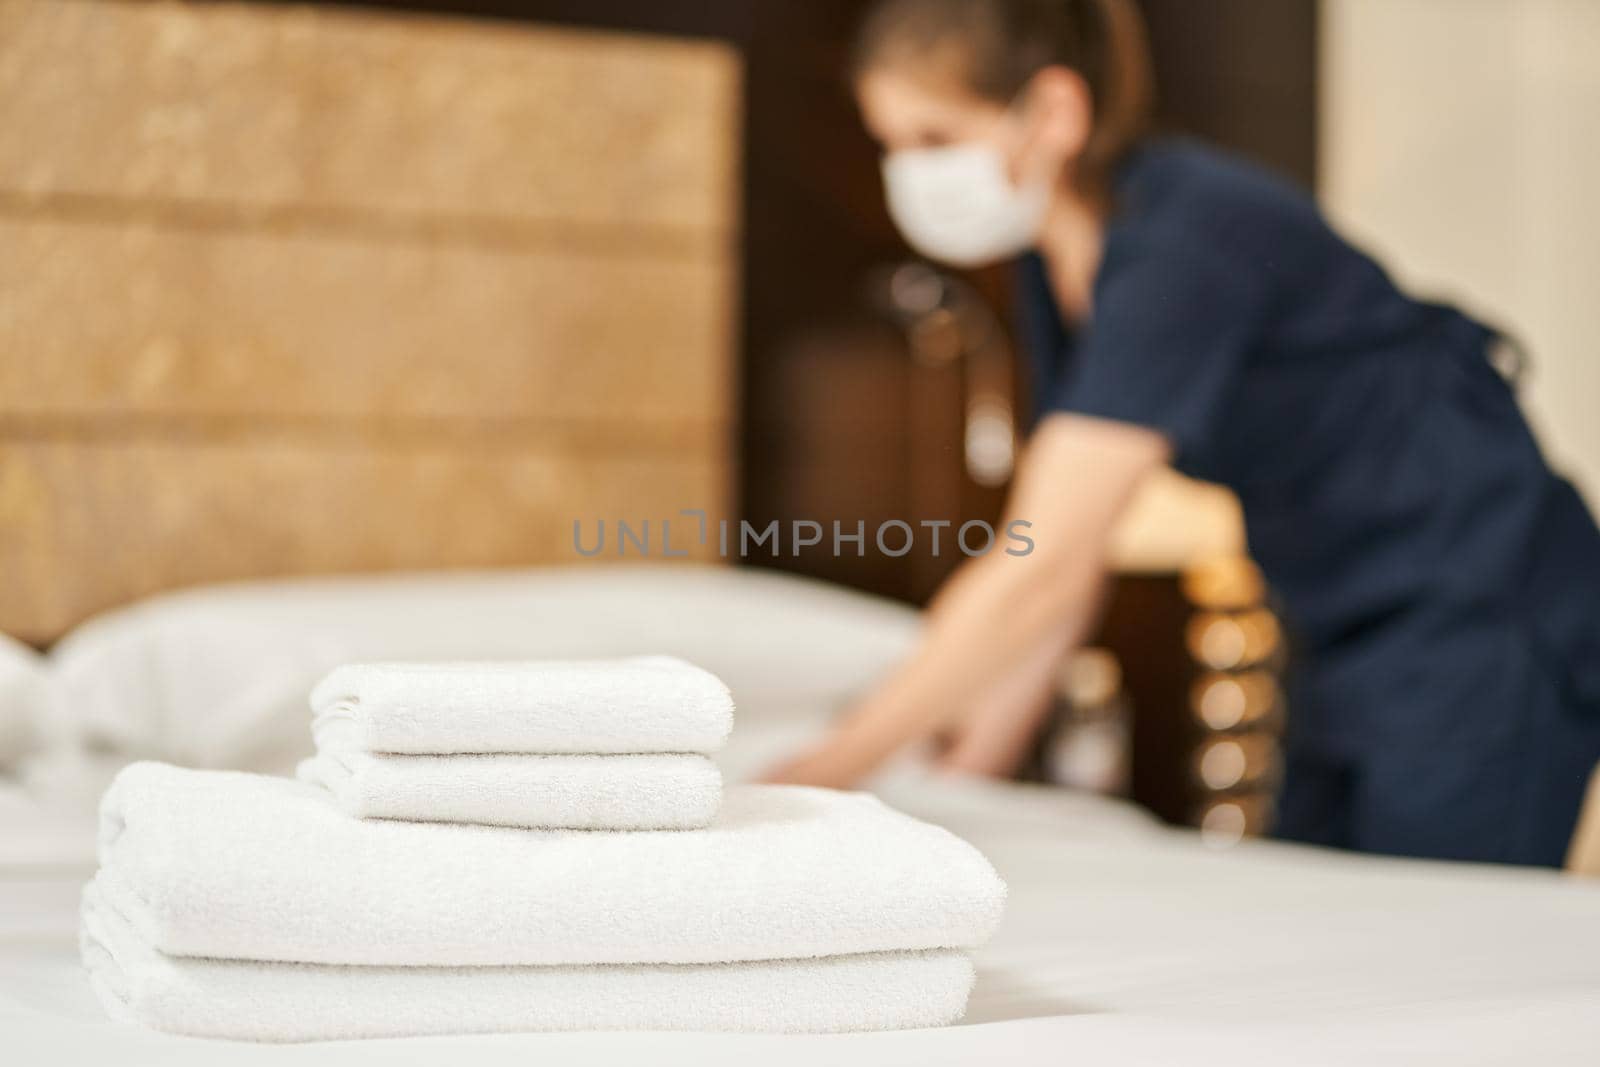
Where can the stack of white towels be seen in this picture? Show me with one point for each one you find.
(536, 846)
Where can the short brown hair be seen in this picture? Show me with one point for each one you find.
(997, 45)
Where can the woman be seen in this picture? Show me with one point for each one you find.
(1441, 584)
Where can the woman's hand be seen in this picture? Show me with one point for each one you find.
(991, 739)
(825, 766)
(1001, 619)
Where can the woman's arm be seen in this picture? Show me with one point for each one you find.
(998, 612)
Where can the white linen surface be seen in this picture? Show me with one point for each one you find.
(651, 791)
(1123, 944)
(308, 1002)
(637, 704)
(243, 866)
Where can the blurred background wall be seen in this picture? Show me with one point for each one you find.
(305, 289)
(276, 131)
(1461, 141)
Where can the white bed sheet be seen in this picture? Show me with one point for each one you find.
(1124, 943)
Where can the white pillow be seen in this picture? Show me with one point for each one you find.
(218, 676)
(25, 704)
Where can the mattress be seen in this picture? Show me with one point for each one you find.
(1124, 943)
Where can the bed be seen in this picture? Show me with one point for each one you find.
(1124, 942)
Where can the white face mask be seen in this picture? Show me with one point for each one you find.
(955, 204)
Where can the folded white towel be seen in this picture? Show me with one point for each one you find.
(309, 1002)
(621, 792)
(646, 704)
(239, 866)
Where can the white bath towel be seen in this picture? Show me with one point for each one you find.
(306, 1002)
(644, 704)
(621, 792)
(238, 866)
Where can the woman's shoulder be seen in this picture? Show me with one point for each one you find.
(1183, 191)
(1176, 170)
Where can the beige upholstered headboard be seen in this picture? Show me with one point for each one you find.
(291, 290)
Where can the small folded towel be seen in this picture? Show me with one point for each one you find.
(647, 704)
(640, 792)
(309, 1002)
(240, 866)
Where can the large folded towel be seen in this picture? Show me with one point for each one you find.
(239, 866)
(307, 1002)
(620, 792)
(646, 704)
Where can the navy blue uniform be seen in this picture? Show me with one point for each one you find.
(1440, 584)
